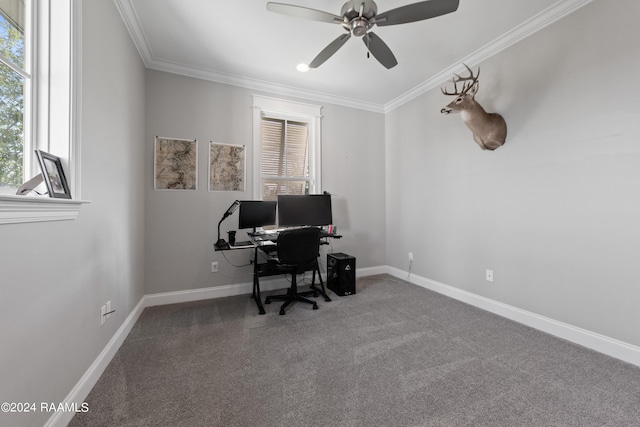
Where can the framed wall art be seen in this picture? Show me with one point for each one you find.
(227, 167)
(175, 164)
(53, 175)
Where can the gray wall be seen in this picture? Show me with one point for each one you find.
(55, 276)
(554, 212)
(181, 226)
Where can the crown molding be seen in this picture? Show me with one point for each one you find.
(132, 22)
(548, 16)
(261, 85)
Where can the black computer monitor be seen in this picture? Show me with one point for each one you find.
(298, 210)
(256, 213)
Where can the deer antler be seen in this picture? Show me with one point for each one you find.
(489, 129)
(467, 82)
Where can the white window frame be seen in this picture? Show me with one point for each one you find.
(56, 29)
(264, 106)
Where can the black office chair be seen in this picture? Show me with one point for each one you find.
(298, 250)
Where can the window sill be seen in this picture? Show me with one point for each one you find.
(20, 209)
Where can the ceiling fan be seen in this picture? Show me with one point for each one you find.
(359, 16)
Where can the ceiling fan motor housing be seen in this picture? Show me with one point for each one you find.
(360, 15)
(351, 9)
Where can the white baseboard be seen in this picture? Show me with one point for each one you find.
(600, 343)
(269, 284)
(371, 271)
(151, 300)
(82, 389)
(92, 375)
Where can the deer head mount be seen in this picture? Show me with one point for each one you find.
(489, 129)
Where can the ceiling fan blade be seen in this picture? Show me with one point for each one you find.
(328, 51)
(304, 12)
(417, 12)
(379, 50)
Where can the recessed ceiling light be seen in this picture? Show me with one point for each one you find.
(303, 68)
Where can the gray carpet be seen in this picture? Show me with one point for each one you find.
(394, 354)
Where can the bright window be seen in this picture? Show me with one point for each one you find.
(285, 158)
(39, 78)
(15, 82)
(287, 148)
(36, 88)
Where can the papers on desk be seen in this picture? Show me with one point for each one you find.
(250, 244)
(264, 238)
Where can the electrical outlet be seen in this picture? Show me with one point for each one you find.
(214, 267)
(411, 256)
(108, 309)
(489, 275)
(103, 312)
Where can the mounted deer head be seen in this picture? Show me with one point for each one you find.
(489, 129)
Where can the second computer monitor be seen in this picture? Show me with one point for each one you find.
(299, 210)
(256, 213)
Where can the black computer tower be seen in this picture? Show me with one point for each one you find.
(341, 273)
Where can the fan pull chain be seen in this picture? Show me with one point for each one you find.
(368, 51)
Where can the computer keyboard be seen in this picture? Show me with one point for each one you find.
(265, 235)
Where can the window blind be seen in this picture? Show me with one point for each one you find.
(285, 157)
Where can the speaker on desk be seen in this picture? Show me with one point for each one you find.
(341, 273)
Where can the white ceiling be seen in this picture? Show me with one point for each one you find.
(239, 42)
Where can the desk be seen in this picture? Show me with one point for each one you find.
(266, 242)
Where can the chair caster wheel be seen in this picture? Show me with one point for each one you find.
(315, 295)
(282, 312)
(315, 306)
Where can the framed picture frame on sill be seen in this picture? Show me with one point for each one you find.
(53, 175)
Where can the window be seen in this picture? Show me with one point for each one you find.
(285, 158)
(39, 44)
(15, 81)
(36, 90)
(286, 145)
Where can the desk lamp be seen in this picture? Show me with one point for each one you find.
(221, 243)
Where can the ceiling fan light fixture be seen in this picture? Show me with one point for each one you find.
(303, 68)
(360, 16)
(359, 27)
